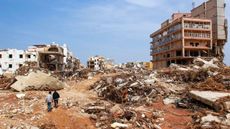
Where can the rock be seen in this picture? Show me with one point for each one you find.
(170, 100)
(15, 111)
(119, 81)
(20, 95)
(119, 125)
(210, 118)
(150, 81)
(135, 98)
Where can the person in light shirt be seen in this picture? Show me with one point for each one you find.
(49, 100)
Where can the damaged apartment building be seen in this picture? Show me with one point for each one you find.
(201, 33)
(99, 63)
(53, 57)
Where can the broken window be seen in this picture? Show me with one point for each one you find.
(194, 53)
(53, 49)
(20, 56)
(29, 56)
(178, 53)
(10, 66)
(168, 55)
(0, 65)
(0, 55)
(20, 65)
(10, 56)
(191, 44)
(168, 63)
(197, 44)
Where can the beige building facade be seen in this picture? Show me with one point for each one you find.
(185, 36)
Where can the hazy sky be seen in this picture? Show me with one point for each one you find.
(117, 29)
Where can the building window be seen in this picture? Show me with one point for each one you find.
(191, 44)
(0, 55)
(20, 65)
(29, 56)
(0, 66)
(10, 66)
(20, 56)
(10, 56)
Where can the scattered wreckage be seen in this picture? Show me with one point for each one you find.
(126, 99)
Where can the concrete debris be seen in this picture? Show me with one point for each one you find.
(26, 68)
(131, 89)
(210, 118)
(207, 64)
(37, 81)
(6, 82)
(170, 100)
(127, 96)
(69, 102)
(210, 98)
(118, 125)
(118, 117)
(209, 84)
(20, 95)
(116, 110)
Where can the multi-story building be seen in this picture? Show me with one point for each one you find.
(96, 63)
(53, 57)
(12, 59)
(214, 10)
(185, 36)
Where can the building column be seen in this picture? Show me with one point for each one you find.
(182, 34)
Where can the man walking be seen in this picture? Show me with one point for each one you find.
(49, 100)
(56, 96)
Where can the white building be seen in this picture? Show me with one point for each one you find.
(12, 59)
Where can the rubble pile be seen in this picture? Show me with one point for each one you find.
(26, 68)
(129, 89)
(207, 120)
(184, 76)
(5, 82)
(81, 74)
(210, 84)
(115, 116)
(21, 107)
(124, 97)
(197, 72)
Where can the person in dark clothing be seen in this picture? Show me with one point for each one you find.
(56, 96)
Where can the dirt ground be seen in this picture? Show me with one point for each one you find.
(71, 118)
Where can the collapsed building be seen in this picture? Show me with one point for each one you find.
(201, 33)
(52, 57)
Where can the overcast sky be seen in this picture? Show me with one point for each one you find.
(117, 29)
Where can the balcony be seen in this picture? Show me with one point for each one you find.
(197, 26)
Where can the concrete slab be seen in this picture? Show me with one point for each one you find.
(209, 97)
(37, 81)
